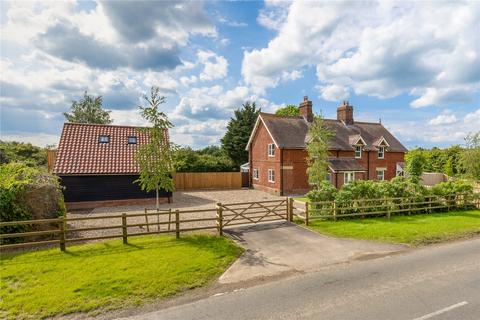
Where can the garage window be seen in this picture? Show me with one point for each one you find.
(103, 138)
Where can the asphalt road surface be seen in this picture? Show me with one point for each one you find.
(437, 282)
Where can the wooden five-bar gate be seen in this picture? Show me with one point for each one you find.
(60, 232)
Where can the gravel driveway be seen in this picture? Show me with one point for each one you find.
(183, 200)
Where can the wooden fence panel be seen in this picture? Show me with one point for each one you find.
(51, 156)
(207, 180)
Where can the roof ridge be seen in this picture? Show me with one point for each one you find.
(279, 116)
(103, 125)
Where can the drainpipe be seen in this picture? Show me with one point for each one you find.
(368, 165)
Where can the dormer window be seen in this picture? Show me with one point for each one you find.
(271, 150)
(132, 140)
(381, 152)
(358, 152)
(103, 138)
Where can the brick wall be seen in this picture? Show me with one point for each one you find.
(263, 162)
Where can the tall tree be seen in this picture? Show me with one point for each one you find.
(238, 132)
(155, 157)
(290, 110)
(318, 139)
(88, 110)
(470, 157)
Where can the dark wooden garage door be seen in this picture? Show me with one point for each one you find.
(97, 188)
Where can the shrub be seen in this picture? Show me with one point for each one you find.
(325, 191)
(28, 193)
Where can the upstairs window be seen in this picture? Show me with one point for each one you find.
(381, 152)
(255, 174)
(271, 150)
(132, 140)
(358, 152)
(103, 138)
(271, 175)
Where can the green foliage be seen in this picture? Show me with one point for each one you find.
(436, 159)
(88, 110)
(452, 187)
(290, 110)
(209, 159)
(155, 158)
(325, 191)
(12, 151)
(104, 276)
(317, 148)
(238, 132)
(470, 157)
(415, 165)
(448, 169)
(15, 180)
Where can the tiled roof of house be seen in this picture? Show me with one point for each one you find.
(345, 164)
(291, 133)
(80, 152)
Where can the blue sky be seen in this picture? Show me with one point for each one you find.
(414, 65)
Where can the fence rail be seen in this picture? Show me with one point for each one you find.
(324, 210)
(223, 215)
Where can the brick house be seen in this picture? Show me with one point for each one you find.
(97, 167)
(358, 151)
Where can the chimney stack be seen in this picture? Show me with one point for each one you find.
(306, 109)
(345, 113)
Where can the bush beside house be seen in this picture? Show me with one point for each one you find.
(28, 193)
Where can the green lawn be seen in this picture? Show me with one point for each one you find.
(414, 230)
(108, 275)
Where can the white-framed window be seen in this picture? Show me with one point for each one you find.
(348, 177)
(103, 138)
(255, 174)
(358, 152)
(132, 140)
(271, 175)
(381, 152)
(271, 150)
(380, 174)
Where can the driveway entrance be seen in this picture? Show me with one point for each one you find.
(282, 247)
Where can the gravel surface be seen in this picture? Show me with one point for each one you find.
(182, 200)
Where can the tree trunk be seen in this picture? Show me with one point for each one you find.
(156, 200)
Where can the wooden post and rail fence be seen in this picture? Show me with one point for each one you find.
(62, 233)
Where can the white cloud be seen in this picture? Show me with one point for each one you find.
(473, 118)
(447, 117)
(333, 92)
(291, 76)
(214, 66)
(380, 49)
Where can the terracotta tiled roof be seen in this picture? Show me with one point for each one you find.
(80, 152)
(291, 132)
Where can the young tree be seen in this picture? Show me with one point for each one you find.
(238, 132)
(290, 110)
(470, 157)
(155, 158)
(415, 165)
(317, 148)
(448, 169)
(88, 110)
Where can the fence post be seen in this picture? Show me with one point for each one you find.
(287, 206)
(306, 213)
(62, 225)
(430, 204)
(177, 224)
(219, 219)
(334, 211)
(388, 207)
(124, 228)
(146, 220)
(290, 208)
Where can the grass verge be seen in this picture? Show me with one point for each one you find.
(108, 275)
(413, 230)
